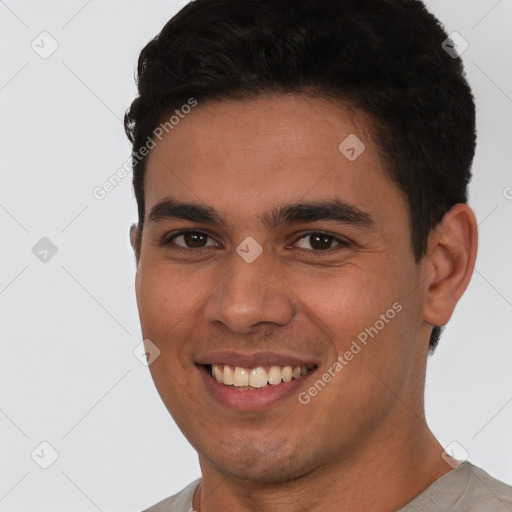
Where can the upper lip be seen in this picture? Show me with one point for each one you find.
(252, 360)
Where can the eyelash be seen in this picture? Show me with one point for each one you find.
(168, 240)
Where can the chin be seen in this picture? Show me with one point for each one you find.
(263, 474)
(266, 465)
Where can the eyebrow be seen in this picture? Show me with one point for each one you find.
(335, 210)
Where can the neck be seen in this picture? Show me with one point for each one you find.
(386, 471)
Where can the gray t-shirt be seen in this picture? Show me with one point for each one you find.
(467, 488)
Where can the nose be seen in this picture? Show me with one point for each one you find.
(250, 294)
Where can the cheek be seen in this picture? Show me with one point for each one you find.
(166, 300)
(369, 318)
(166, 293)
(345, 301)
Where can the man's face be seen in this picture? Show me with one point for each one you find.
(321, 283)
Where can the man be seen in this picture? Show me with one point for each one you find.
(301, 172)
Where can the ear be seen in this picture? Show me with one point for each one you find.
(449, 263)
(134, 233)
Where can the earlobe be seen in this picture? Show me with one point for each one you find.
(451, 259)
(133, 236)
(134, 241)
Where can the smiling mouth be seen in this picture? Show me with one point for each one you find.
(257, 378)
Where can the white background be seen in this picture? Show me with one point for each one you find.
(68, 375)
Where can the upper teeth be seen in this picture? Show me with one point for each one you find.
(256, 377)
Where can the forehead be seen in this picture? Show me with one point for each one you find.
(245, 156)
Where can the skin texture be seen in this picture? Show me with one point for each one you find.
(362, 443)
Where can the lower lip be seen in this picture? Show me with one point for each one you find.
(251, 399)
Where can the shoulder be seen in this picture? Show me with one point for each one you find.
(181, 502)
(467, 488)
(485, 492)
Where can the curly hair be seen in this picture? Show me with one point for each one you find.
(384, 57)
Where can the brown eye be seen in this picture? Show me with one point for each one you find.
(194, 240)
(319, 241)
(190, 240)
